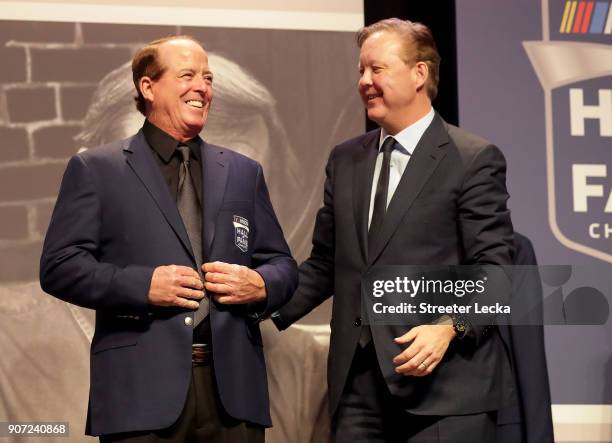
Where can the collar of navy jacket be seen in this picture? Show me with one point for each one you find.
(214, 178)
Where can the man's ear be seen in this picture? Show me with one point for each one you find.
(421, 72)
(145, 84)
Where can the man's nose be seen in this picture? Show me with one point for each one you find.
(365, 79)
(201, 84)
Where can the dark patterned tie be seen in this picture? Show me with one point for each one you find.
(378, 215)
(191, 212)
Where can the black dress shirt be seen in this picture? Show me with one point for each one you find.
(169, 161)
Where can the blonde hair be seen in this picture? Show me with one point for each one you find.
(418, 46)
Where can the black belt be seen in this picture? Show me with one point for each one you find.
(201, 354)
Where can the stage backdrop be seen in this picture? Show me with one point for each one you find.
(535, 78)
(284, 94)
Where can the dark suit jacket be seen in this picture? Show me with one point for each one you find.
(532, 414)
(113, 223)
(449, 208)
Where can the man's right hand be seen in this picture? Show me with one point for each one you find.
(175, 285)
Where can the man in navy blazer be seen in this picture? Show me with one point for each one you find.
(118, 243)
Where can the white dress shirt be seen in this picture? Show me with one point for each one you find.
(407, 138)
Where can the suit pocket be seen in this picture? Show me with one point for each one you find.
(113, 341)
(433, 204)
(237, 205)
(234, 232)
(117, 331)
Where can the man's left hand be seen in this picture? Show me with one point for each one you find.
(429, 344)
(233, 284)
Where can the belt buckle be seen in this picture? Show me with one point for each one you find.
(200, 354)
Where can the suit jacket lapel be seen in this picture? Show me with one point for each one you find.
(214, 179)
(425, 158)
(140, 159)
(364, 162)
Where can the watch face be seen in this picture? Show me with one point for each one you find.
(459, 326)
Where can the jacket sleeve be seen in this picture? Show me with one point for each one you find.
(69, 267)
(316, 274)
(271, 256)
(486, 228)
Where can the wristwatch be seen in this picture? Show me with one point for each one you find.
(460, 325)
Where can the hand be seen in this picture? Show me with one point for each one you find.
(176, 286)
(233, 284)
(429, 344)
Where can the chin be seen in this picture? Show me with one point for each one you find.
(376, 117)
(194, 124)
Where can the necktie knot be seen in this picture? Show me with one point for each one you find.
(185, 152)
(388, 145)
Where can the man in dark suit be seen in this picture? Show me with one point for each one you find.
(415, 192)
(530, 419)
(136, 225)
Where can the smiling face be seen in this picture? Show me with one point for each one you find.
(179, 101)
(391, 89)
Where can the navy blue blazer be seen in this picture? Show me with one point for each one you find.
(114, 222)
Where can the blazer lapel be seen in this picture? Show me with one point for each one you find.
(214, 180)
(426, 156)
(364, 162)
(140, 159)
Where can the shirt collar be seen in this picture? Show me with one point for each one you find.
(409, 137)
(165, 145)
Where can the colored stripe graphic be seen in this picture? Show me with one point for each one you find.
(587, 18)
(565, 16)
(599, 17)
(570, 19)
(579, 16)
(608, 28)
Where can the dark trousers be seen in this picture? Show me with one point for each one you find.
(202, 419)
(368, 413)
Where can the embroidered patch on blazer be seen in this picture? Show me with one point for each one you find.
(241, 233)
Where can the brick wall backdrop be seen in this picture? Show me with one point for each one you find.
(49, 72)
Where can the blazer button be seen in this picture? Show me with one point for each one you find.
(357, 322)
(188, 321)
